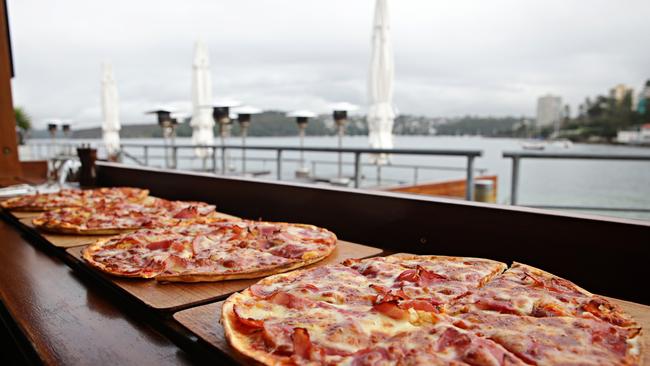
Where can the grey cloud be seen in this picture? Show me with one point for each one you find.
(461, 57)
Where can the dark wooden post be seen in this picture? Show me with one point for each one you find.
(10, 169)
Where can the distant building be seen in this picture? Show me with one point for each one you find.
(643, 99)
(549, 111)
(620, 92)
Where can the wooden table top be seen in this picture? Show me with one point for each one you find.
(68, 321)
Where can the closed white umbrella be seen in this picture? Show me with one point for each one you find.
(111, 111)
(202, 122)
(381, 113)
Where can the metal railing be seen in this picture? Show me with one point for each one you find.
(171, 157)
(470, 155)
(517, 156)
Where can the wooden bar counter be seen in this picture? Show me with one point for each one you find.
(55, 310)
(50, 315)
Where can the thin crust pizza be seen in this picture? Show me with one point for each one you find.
(213, 251)
(73, 198)
(425, 310)
(105, 218)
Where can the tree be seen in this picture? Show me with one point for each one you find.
(23, 120)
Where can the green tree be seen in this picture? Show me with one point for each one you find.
(23, 120)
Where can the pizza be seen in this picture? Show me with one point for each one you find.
(213, 251)
(427, 310)
(101, 217)
(73, 198)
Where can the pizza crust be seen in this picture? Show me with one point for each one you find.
(65, 228)
(239, 341)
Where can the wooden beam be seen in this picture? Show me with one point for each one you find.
(10, 169)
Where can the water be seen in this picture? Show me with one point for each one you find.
(551, 182)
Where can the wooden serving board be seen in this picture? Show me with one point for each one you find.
(174, 296)
(205, 322)
(25, 214)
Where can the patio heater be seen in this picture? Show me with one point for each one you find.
(168, 125)
(340, 115)
(244, 118)
(221, 115)
(302, 118)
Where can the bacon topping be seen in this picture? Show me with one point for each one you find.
(301, 343)
(603, 309)
(499, 306)
(247, 324)
(187, 213)
(289, 300)
(422, 305)
(390, 309)
(163, 244)
(289, 251)
(453, 338)
(421, 276)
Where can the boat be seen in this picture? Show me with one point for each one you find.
(534, 145)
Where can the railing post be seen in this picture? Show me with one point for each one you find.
(279, 164)
(313, 168)
(174, 157)
(224, 164)
(214, 160)
(146, 155)
(357, 169)
(378, 174)
(515, 180)
(415, 175)
(469, 183)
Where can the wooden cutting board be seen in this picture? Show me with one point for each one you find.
(174, 296)
(23, 215)
(205, 322)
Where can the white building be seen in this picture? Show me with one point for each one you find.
(549, 111)
(634, 137)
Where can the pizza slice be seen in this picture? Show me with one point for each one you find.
(434, 279)
(557, 340)
(526, 290)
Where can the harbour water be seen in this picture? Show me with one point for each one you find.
(601, 183)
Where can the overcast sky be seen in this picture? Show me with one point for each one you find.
(452, 57)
